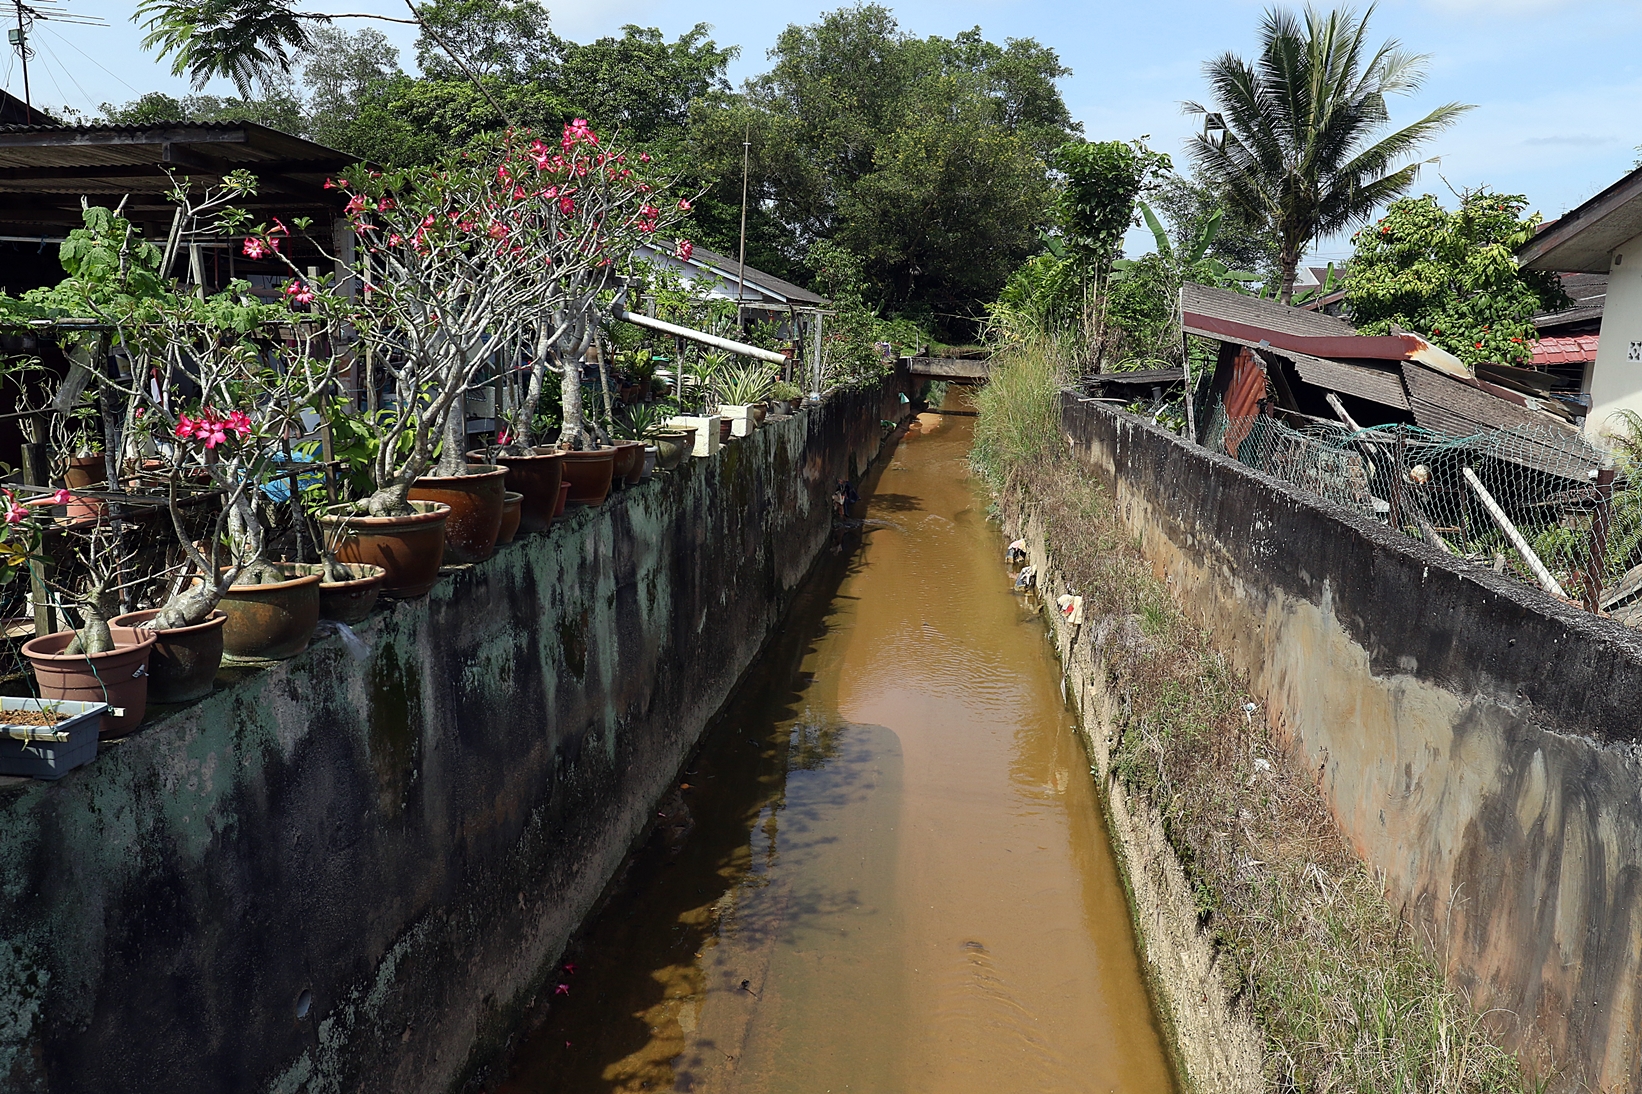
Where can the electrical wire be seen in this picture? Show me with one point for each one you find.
(70, 44)
(70, 74)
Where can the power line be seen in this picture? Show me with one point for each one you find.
(69, 42)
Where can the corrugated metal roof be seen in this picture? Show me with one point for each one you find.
(1376, 382)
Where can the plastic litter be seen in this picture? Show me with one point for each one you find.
(356, 646)
(1027, 578)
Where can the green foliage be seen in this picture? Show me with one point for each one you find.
(240, 40)
(1451, 277)
(1299, 153)
(641, 84)
(923, 156)
(507, 39)
(1018, 411)
(1240, 241)
(1102, 182)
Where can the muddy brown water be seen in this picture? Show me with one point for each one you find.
(886, 870)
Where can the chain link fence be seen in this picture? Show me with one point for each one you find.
(1541, 504)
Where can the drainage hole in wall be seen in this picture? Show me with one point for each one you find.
(304, 1003)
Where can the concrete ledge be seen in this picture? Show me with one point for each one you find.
(346, 874)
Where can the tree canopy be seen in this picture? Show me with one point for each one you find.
(1451, 277)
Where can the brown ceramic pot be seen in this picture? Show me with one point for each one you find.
(725, 427)
(409, 549)
(511, 509)
(536, 476)
(758, 412)
(475, 498)
(588, 473)
(118, 677)
(271, 622)
(672, 446)
(349, 601)
(629, 463)
(183, 663)
(564, 499)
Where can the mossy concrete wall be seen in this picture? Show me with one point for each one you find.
(351, 873)
(1476, 740)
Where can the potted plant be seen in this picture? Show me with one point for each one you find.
(698, 405)
(741, 390)
(787, 394)
(94, 663)
(646, 424)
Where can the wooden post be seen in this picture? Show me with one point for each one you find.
(1601, 523)
(37, 472)
(1546, 581)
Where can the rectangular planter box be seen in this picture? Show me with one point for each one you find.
(706, 432)
(741, 418)
(48, 752)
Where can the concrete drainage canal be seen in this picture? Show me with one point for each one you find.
(885, 869)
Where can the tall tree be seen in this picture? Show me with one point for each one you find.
(642, 84)
(1299, 151)
(925, 156)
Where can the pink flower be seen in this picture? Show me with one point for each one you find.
(566, 205)
(644, 157)
(504, 437)
(562, 989)
(216, 436)
(16, 514)
(239, 422)
(686, 249)
(255, 248)
(299, 292)
(62, 497)
(683, 205)
(185, 426)
(355, 204)
(394, 240)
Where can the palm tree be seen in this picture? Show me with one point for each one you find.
(1298, 150)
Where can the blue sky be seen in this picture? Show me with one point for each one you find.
(1556, 82)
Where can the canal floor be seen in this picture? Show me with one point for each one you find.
(886, 871)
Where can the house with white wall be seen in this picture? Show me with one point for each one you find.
(1604, 236)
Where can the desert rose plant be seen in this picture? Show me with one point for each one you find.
(492, 260)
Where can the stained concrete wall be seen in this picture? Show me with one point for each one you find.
(1475, 739)
(403, 841)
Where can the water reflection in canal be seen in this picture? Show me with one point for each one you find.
(887, 869)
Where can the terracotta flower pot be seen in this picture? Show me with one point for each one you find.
(271, 622)
(725, 430)
(536, 476)
(672, 446)
(512, 503)
(588, 473)
(409, 549)
(85, 473)
(184, 660)
(475, 498)
(564, 499)
(629, 462)
(350, 601)
(118, 677)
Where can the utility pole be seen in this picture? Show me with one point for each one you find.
(741, 274)
(19, 38)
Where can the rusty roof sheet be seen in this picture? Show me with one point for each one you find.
(1252, 311)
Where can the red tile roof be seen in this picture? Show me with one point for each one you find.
(1574, 350)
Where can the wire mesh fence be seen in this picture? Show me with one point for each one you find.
(1541, 504)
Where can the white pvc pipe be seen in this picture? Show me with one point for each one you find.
(1546, 581)
(774, 358)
